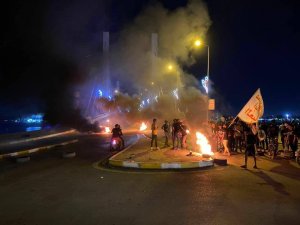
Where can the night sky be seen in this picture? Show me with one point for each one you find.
(253, 44)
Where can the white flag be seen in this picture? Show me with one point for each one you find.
(253, 110)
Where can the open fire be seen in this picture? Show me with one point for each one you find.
(204, 146)
(107, 130)
(143, 126)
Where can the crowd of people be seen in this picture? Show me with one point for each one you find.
(231, 136)
(177, 132)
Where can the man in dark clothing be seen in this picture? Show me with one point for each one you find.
(250, 138)
(166, 128)
(176, 133)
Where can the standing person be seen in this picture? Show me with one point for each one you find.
(293, 142)
(273, 134)
(184, 132)
(220, 136)
(176, 134)
(250, 138)
(264, 127)
(154, 129)
(166, 128)
(231, 142)
(238, 132)
(225, 140)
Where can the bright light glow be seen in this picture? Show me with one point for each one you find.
(287, 115)
(170, 67)
(197, 43)
(204, 146)
(107, 120)
(152, 83)
(114, 142)
(187, 131)
(175, 93)
(116, 91)
(156, 98)
(148, 101)
(107, 130)
(143, 126)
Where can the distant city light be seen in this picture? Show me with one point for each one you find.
(35, 118)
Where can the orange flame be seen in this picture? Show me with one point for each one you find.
(204, 146)
(143, 126)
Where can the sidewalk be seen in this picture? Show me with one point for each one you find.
(140, 156)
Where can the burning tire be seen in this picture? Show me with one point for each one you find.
(220, 162)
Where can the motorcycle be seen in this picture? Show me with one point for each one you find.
(115, 144)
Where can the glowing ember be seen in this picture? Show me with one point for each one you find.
(107, 130)
(143, 126)
(205, 147)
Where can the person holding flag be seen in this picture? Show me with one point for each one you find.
(250, 114)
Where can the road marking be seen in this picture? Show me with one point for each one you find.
(30, 151)
(38, 138)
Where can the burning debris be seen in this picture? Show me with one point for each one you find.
(107, 130)
(204, 146)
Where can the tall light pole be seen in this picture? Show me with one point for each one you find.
(198, 43)
(171, 68)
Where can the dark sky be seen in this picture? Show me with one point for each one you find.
(254, 44)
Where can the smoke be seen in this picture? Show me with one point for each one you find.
(148, 87)
(156, 85)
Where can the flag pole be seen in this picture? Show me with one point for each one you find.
(233, 120)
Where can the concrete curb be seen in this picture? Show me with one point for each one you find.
(38, 138)
(161, 165)
(157, 165)
(33, 150)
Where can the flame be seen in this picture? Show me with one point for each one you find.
(143, 126)
(204, 146)
(107, 130)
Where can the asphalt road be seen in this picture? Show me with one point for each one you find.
(53, 190)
